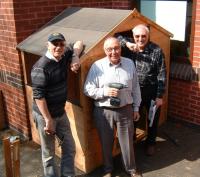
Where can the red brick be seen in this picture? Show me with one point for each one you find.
(49, 9)
(5, 5)
(189, 103)
(196, 116)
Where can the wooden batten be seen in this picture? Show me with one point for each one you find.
(11, 157)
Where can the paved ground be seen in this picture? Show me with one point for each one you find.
(178, 155)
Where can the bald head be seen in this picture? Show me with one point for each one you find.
(140, 27)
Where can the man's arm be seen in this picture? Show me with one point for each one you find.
(91, 87)
(77, 49)
(136, 96)
(127, 42)
(162, 79)
(38, 85)
(42, 106)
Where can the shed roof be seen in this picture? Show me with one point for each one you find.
(86, 24)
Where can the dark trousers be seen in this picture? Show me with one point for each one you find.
(148, 94)
(121, 118)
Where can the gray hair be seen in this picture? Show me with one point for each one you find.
(140, 26)
(108, 39)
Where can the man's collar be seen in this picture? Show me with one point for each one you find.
(110, 64)
(50, 56)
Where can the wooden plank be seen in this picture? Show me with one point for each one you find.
(24, 67)
(34, 132)
(140, 134)
(15, 146)
(7, 157)
(28, 60)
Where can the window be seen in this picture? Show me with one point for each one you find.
(179, 23)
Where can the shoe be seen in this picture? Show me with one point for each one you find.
(150, 150)
(136, 174)
(107, 175)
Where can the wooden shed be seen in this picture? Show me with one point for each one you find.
(92, 26)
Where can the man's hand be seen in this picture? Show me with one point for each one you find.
(49, 127)
(132, 46)
(136, 116)
(75, 65)
(49, 122)
(111, 92)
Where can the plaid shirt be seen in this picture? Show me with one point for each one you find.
(150, 65)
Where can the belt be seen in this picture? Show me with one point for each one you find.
(114, 108)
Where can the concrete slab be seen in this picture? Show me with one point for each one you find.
(178, 155)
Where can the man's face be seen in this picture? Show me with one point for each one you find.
(141, 37)
(112, 50)
(56, 48)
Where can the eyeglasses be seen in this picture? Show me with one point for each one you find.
(110, 49)
(58, 44)
(142, 36)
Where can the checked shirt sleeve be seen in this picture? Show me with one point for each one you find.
(162, 75)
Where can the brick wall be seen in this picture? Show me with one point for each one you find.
(126, 4)
(184, 96)
(11, 82)
(19, 19)
(196, 43)
(184, 100)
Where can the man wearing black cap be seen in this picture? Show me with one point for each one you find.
(49, 83)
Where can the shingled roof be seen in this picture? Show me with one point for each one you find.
(86, 24)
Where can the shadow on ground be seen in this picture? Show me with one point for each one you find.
(177, 155)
